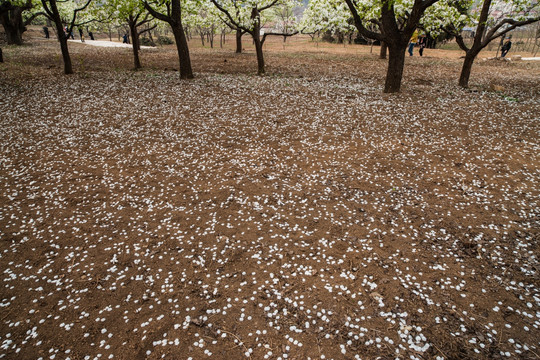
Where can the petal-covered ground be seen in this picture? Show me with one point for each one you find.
(299, 215)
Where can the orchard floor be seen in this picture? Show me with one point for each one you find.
(303, 214)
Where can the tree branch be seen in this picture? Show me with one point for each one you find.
(47, 9)
(461, 43)
(143, 21)
(231, 19)
(269, 5)
(155, 13)
(147, 29)
(492, 33)
(359, 25)
(417, 11)
(74, 18)
(31, 18)
(277, 34)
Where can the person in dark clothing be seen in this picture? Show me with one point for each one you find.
(46, 31)
(91, 35)
(506, 47)
(422, 41)
(69, 33)
(81, 34)
(125, 39)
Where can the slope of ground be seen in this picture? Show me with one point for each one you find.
(299, 215)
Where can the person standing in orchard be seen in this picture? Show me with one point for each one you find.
(412, 42)
(506, 47)
(422, 41)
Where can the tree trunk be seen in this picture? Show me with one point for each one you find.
(340, 37)
(13, 25)
(259, 50)
(14, 37)
(183, 52)
(394, 73)
(384, 47)
(68, 68)
(466, 68)
(151, 38)
(501, 43)
(62, 37)
(1, 56)
(135, 45)
(239, 41)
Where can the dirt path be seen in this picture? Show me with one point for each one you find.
(104, 43)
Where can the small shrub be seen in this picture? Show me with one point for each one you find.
(165, 40)
(147, 42)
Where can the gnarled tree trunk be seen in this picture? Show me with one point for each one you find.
(13, 24)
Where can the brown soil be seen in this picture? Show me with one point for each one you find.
(303, 214)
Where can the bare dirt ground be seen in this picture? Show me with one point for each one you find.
(300, 215)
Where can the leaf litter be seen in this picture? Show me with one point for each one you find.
(298, 215)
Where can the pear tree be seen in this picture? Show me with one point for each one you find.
(133, 13)
(173, 13)
(490, 19)
(249, 16)
(65, 12)
(392, 22)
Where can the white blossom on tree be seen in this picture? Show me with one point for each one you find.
(326, 16)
